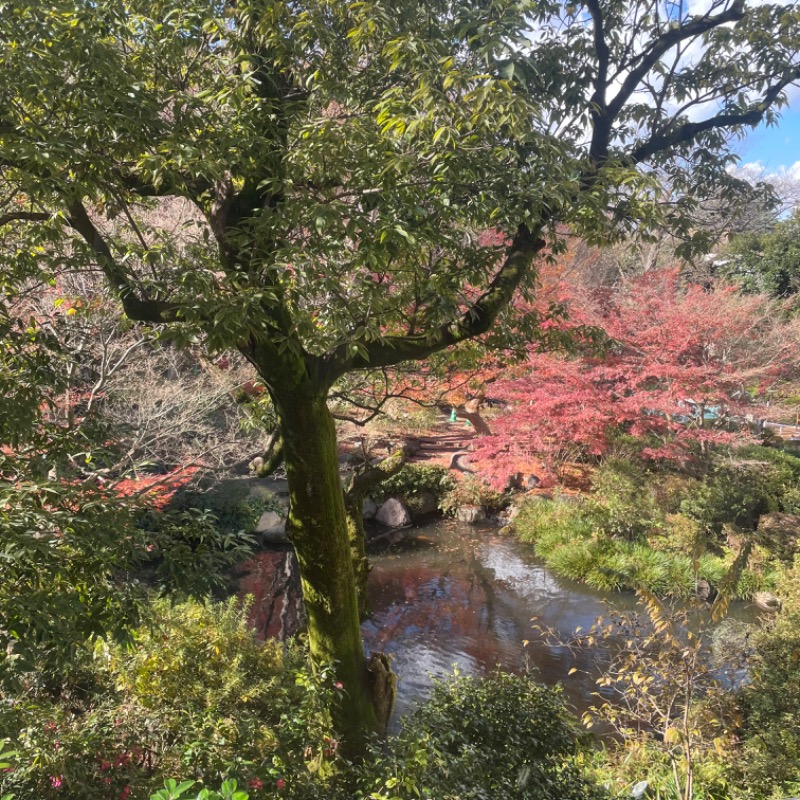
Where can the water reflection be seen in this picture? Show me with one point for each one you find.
(453, 596)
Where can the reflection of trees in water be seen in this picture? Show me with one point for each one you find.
(448, 605)
(485, 579)
(470, 600)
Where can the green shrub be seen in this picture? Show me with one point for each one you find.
(198, 696)
(770, 759)
(740, 489)
(620, 768)
(670, 489)
(80, 560)
(790, 502)
(415, 479)
(501, 737)
(231, 502)
(787, 463)
(680, 534)
(624, 504)
(471, 492)
(475, 739)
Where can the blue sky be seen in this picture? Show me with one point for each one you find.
(777, 147)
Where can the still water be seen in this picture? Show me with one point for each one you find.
(454, 596)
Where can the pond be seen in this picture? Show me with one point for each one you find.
(451, 595)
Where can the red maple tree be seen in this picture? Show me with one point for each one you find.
(687, 365)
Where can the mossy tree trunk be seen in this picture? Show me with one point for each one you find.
(319, 531)
(361, 484)
(354, 507)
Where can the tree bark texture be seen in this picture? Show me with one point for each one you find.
(361, 484)
(318, 530)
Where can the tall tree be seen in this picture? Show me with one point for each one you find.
(337, 159)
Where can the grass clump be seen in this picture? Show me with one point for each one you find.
(573, 541)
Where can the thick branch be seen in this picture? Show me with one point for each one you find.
(604, 115)
(24, 216)
(136, 308)
(362, 483)
(697, 27)
(477, 319)
(689, 130)
(602, 124)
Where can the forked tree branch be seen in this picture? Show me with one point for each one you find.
(474, 321)
(136, 307)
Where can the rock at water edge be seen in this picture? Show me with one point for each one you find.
(423, 504)
(370, 508)
(393, 514)
(271, 527)
(470, 514)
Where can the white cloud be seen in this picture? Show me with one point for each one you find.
(756, 171)
(785, 179)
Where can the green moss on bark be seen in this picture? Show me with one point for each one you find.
(319, 531)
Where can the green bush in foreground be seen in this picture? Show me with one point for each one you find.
(199, 708)
(769, 765)
(500, 737)
(197, 696)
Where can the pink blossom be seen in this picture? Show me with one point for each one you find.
(56, 781)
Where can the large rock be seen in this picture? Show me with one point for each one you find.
(271, 527)
(532, 481)
(423, 504)
(269, 487)
(767, 601)
(470, 514)
(393, 514)
(256, 465)
(704, 590)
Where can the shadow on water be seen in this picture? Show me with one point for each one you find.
(453, 596)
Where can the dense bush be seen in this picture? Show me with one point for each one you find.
(663, 529)
(623, 504)
(502, 737)
(753, 481)
(79, 560)
(199, 709)
(770, 762)
(198, 696)
(471, 492)
(231, 502)
(416, 479)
